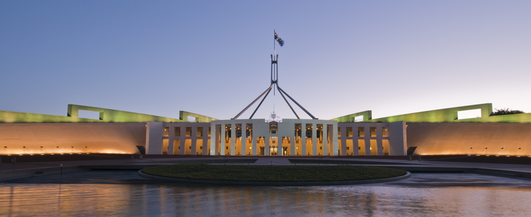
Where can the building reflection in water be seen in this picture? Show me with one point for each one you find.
(174, 200)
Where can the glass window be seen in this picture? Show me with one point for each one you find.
(373, 131)
(361, 131)
(385, 131)
(188, 131)
(273, 127)
(199, 132)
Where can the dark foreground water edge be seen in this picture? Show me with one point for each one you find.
(436, 194)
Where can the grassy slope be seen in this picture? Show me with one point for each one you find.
(273, 173)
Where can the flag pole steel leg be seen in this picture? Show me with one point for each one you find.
(245, 109)
(280, 89)
(288, 103)
(261, 103)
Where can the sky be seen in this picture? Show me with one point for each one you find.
(213, 57)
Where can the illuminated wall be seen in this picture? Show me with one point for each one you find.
(503, 139)
(71, 138)
(444, 115)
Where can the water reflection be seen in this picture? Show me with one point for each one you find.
(172, 200)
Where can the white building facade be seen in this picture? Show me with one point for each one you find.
(288, 137)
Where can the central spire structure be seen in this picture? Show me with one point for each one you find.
(274, 86)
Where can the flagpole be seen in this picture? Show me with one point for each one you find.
(274, 53)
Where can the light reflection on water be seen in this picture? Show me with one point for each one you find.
(172, 200)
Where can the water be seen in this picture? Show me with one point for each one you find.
(420, 195)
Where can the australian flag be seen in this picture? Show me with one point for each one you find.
(280, 41)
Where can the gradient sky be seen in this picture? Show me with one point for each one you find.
(213, 57)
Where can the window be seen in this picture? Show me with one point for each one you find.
(166, 131)
(188, 131)
(373, 131)
(349, 132)
(361, 131)
(298, 130)
(165, 143)
(199, 132)
(309, 132)
(385, 131)
(238, 131)
(177, 131)
(273, 127)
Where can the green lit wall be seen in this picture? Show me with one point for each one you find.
(106, 116)
(183, 116)
(444, 115)
(367, 116)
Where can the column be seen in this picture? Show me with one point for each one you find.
(379, 146)
(254, 145)
(330, 138)
(205, 140)
(214, 142)
(367, 140)
(244, 139)
(343, 141)
(232, 138)
(194, 140)
(266, 140)
(171, 137)
(222, 142)
(325, 139)
(355, 144)
(279, 146)
(334, 138)
(182, 140)
(314, 139)
(292, 141)
(303, 139)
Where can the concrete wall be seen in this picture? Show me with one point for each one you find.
(153, 137)
(512, 139)
(66, 138)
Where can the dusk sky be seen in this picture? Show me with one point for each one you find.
(213, 57)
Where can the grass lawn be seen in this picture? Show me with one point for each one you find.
(273, 173)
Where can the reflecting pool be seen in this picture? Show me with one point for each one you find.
(420, 195)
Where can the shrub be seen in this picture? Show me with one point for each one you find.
(505, 112)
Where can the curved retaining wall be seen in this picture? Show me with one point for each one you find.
(249, 183)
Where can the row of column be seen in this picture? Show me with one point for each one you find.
(182, 141)
(366, 137)
(218, 133)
